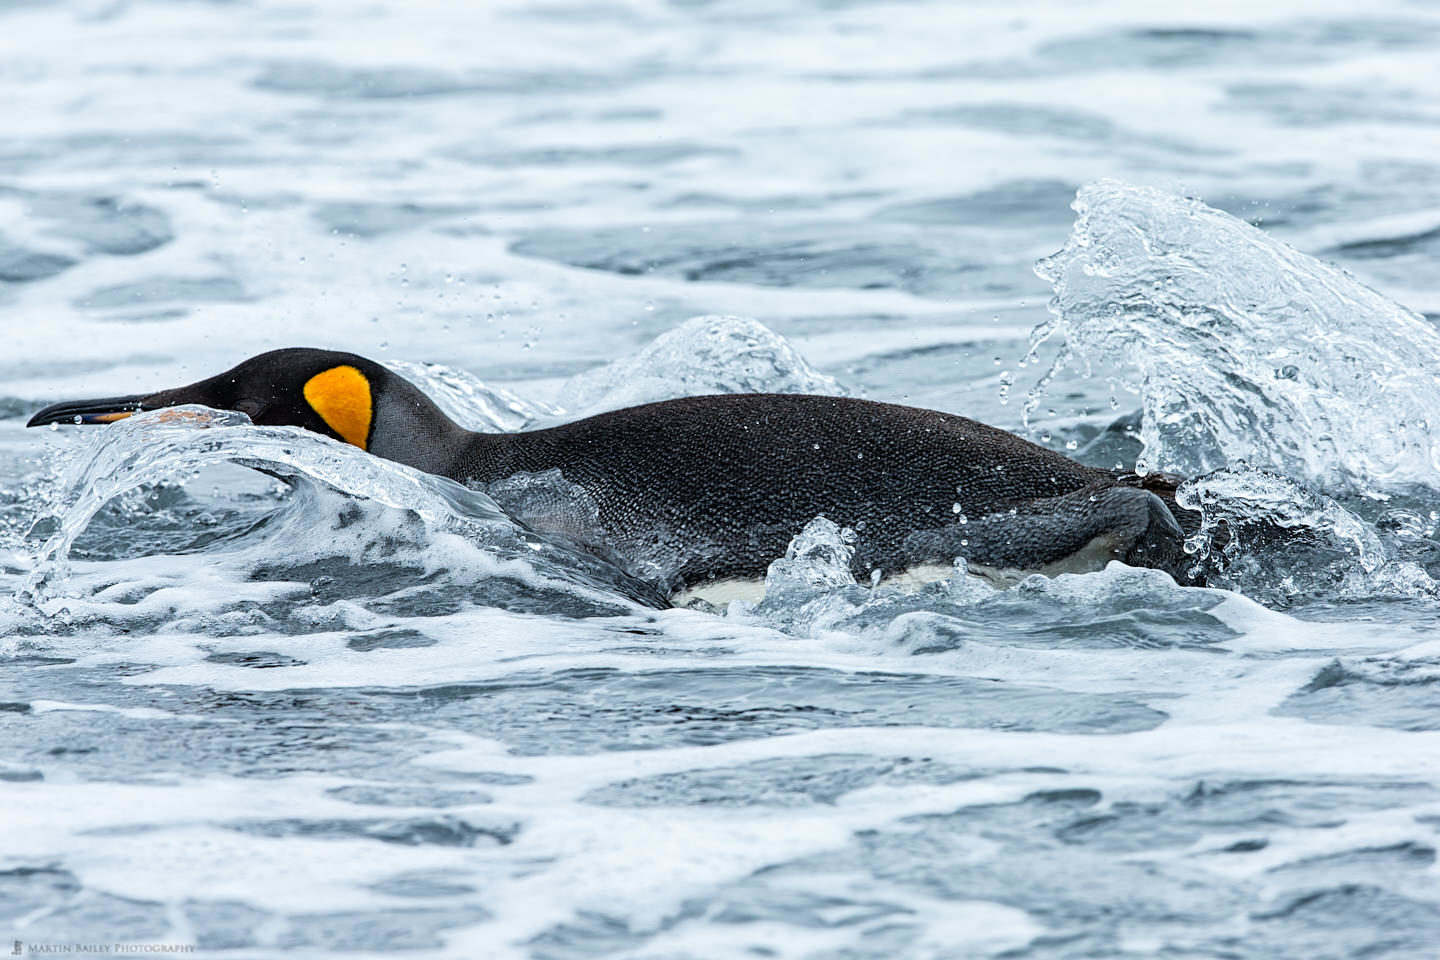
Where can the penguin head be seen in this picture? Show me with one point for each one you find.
(341, 395)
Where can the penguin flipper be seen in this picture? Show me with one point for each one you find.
(1073, 533)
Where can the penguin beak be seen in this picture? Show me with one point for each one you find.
(106, 410)
(111, 409)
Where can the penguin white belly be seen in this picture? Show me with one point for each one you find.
(1088, 559)
(721, 592)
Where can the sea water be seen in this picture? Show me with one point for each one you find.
(262, 695)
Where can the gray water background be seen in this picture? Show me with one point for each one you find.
(364, 715)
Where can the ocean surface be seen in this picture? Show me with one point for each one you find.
(267, 697)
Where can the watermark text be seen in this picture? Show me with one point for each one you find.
(25, 948)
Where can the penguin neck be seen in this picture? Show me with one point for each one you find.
(481, 458)
(411, 429)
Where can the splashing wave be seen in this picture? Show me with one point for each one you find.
(1243, 349)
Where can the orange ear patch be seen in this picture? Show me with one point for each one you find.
(341, 395)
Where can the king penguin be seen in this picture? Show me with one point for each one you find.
(698, 495)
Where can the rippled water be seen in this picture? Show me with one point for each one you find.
(267, 696)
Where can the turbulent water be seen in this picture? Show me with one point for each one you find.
(265, 696)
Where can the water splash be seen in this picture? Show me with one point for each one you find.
(811, 589)
(1284, 542)
(1242, 348)
(811, 593)
(811, 586)
(24, 504)
(818, 558)
(704, 355)
(471, 402)
(169, 445)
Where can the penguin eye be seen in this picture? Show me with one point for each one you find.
(251, 408)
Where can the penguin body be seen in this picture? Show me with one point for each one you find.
(704, 490)
(697, 495)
